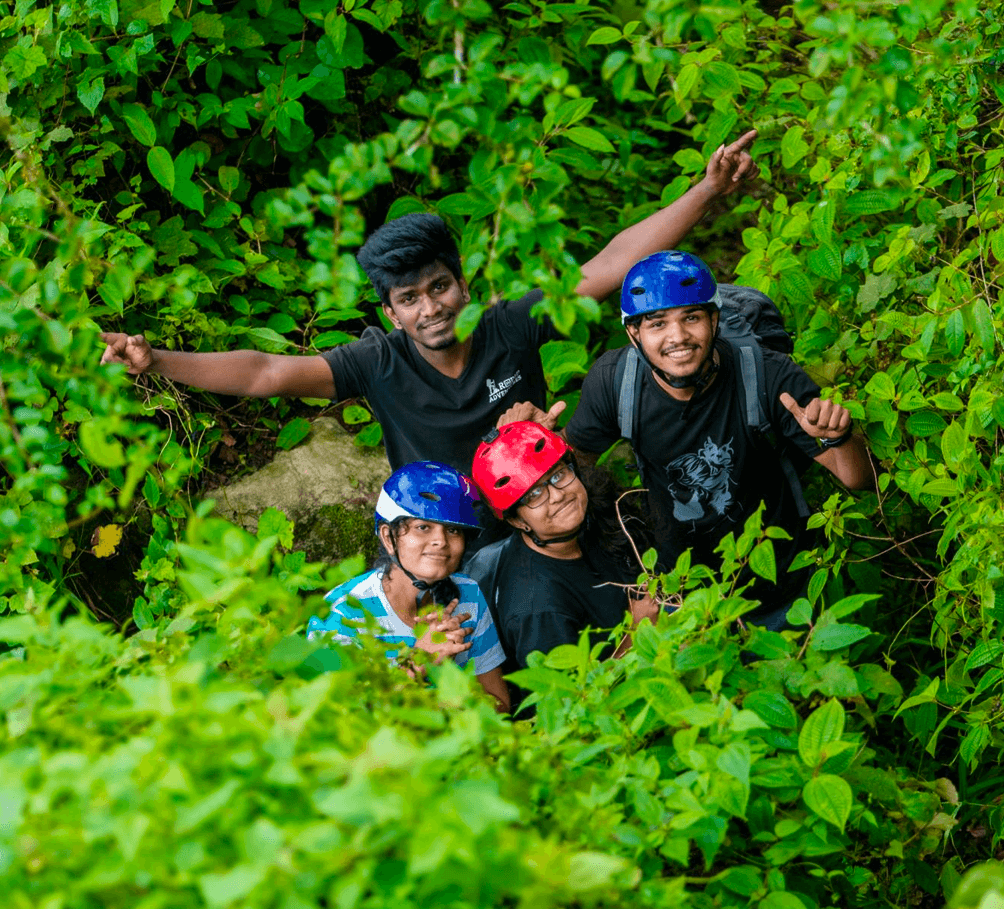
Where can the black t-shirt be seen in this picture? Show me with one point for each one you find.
(705, 472)
(543, 602)
(428, 416)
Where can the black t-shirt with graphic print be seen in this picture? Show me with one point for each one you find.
(428, 416)
(706, 473)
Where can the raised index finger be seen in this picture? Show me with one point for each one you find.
(742, 143)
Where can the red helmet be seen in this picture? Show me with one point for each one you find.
(512, 459)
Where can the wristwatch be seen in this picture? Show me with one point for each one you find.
(838, 441)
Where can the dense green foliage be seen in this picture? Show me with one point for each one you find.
(203, 173)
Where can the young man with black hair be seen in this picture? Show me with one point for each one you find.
(435, 396)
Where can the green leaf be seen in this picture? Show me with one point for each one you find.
(605, 35)
(941, 487)
(468, 320)
(773, 708)
(824, 725)
(99, 445)
(370, 435)
(354, 414)
(954, 443)
(269, 340)
(869, 202)
(294, 432)
(564, 656)
(983, 323)
(22, 62)
(831, 798)
(881, 386)
(331, 339)
(762, 561)
(589, 138)
(955, 332)
(834, 637)
(91, 93)
(793, 147)
(230, 179)
(221, 890)
(140, 124)
(925, 423)
(983, 653)
(695, 656)
(945, 400)
(161, 165)
(825, 262)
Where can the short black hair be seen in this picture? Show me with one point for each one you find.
(395, 253)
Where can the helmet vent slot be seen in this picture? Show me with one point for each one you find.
(539, 446)
(431, 496)
(501, 481)
(637, 291)
(686, 282)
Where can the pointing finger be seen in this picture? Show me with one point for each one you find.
(742, 143)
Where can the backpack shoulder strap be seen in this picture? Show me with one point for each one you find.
(483, 568)
(627, 381)
(752, 388)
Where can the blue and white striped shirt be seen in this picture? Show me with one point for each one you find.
(367, 589)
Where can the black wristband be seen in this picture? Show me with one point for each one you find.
(826, 444)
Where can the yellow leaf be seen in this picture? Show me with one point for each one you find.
(105, 540)
(69, 547)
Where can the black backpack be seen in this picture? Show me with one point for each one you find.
(749, 321)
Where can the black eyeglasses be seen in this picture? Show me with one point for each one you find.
(538, 495)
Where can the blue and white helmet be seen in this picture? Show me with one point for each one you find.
(429, 490)
(667, 280)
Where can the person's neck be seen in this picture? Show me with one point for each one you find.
(567, 550)
(685, 394)
(401, 594)
(450, 361)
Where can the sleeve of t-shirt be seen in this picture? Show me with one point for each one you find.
(353, 365)
(594, 426)
(341, 624)
(530, 631)
(486, 650)
(783, 374)
(520, 328)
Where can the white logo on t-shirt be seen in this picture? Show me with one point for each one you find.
(702, 481)
(497, 390)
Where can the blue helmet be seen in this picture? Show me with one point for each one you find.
(667, 280)
(429, 490)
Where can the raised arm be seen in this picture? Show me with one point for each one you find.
(247, 373)
(603, 274)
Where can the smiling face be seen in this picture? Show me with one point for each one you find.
(426, 309)
(429, 550)
(677, 341)
(556, 511)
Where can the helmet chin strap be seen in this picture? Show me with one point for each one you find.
(564, 538)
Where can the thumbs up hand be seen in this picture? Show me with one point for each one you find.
(819, 418)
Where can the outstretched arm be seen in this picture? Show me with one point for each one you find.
(248, 373)
(849, 462)
(604, 273)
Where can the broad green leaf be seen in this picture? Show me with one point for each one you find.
(268, 339)
(793, 147)
(354, 414)
(925, 423)
(762, 561)
(161, 165)
(825, 262)
(331, 339)
(954, 443)
(835, 637)
(370, 435)
(294, 432)
(831, 798)
(99, 445)
(735, 759)
(941, 487)
(695, 656)
(230, 179)
(91, 93)
(589, 138)
(140, 124)
(983, 653)
(773, 708)
(984, 325)
(781, 899)
(564, 656)
(221, 890)
(468, 320)
(955, 332)
(945, 400)
(605, 35)
(881, 386)
(22, 62)
(869, 202)
(824, 725)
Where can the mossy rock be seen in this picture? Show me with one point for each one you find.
(335, 532)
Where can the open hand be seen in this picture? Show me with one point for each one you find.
(820, 419)
(132, 351)
(730, 165)
(528, 411)
(447, 624)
